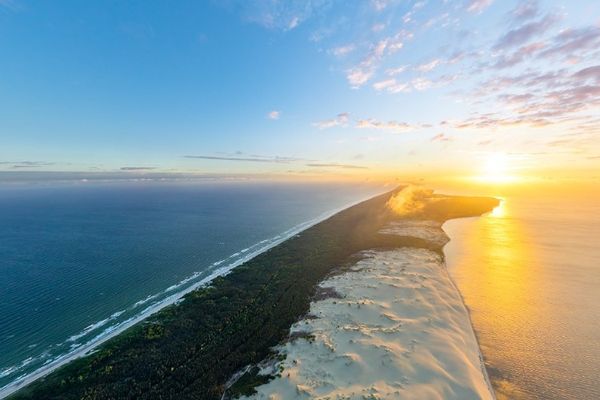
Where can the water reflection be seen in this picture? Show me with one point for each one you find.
(493, 265)
(529, 273)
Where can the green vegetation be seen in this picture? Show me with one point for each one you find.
(192, 349)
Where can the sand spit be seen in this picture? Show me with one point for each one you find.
(399, 331)
(426, 230)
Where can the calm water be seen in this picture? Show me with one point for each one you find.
(530, 274)
(76, 261)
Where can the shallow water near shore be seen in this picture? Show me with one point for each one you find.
(530, 274)
(77, 261)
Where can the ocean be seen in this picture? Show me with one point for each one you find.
(529, 272)
(79, 261)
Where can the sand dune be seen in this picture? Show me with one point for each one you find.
(397, 330)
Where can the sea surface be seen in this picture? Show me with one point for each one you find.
(530, 274)
(79, 261)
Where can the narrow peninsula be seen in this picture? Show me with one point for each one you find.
(357, 306)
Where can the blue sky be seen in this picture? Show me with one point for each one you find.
(300, 88)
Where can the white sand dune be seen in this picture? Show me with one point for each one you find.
(399, 331)
(427, 230)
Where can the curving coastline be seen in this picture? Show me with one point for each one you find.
(193, 347)
(180, 290)
(394, 326)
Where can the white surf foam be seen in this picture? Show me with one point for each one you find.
(185, 286)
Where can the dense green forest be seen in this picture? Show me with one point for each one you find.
(190, 350)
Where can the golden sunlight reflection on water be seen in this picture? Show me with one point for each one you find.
(529, 275)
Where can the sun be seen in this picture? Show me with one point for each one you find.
(496, 165)
(496, 169)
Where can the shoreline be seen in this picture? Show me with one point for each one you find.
(488, 374)
(390, 322)
(88, 348)
(193, 348)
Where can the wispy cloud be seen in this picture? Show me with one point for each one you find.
(573, 43)
(441, 137)
(396, 71)
(340, 120)
(429, 66)
(284, 16)
(525, 10)
(477, 6)
(137, 168)
(525, 32)
(360, 74)
(342, 51)
(26, 164)
(419, 84)
(391, 126)
(258, 159)
(367, 123)
(391, 86)
(335, 165)
(590, 73)
(380, 5)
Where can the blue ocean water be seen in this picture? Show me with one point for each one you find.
(79, 261)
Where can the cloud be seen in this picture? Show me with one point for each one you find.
(380, 5)
(391, 126)
(525, 10)
(358, 75)
(396, 71)
(525, 32)
(391, 85)
(591, 73)
(408, 17)
(370, 138)
(570, 42)
(274, 114)
(378, 27)
(26, 164)
(421, 84)
(137, 168)
(334, 165)
(342, 51)
(441, 137)
(340, 120)
(430, 66)
(259, 159)
(411, 200)
(477, 6)
(294, 22)
(284, 16)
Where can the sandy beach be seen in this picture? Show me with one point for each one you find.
(393, 327)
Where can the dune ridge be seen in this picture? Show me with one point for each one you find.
(393, 327)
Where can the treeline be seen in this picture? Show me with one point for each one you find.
(190, 350)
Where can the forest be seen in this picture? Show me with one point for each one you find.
(190, 350)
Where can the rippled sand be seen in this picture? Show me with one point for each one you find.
(397, 329)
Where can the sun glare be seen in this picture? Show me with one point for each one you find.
(496, 169)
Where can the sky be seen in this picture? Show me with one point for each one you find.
(497, 89)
